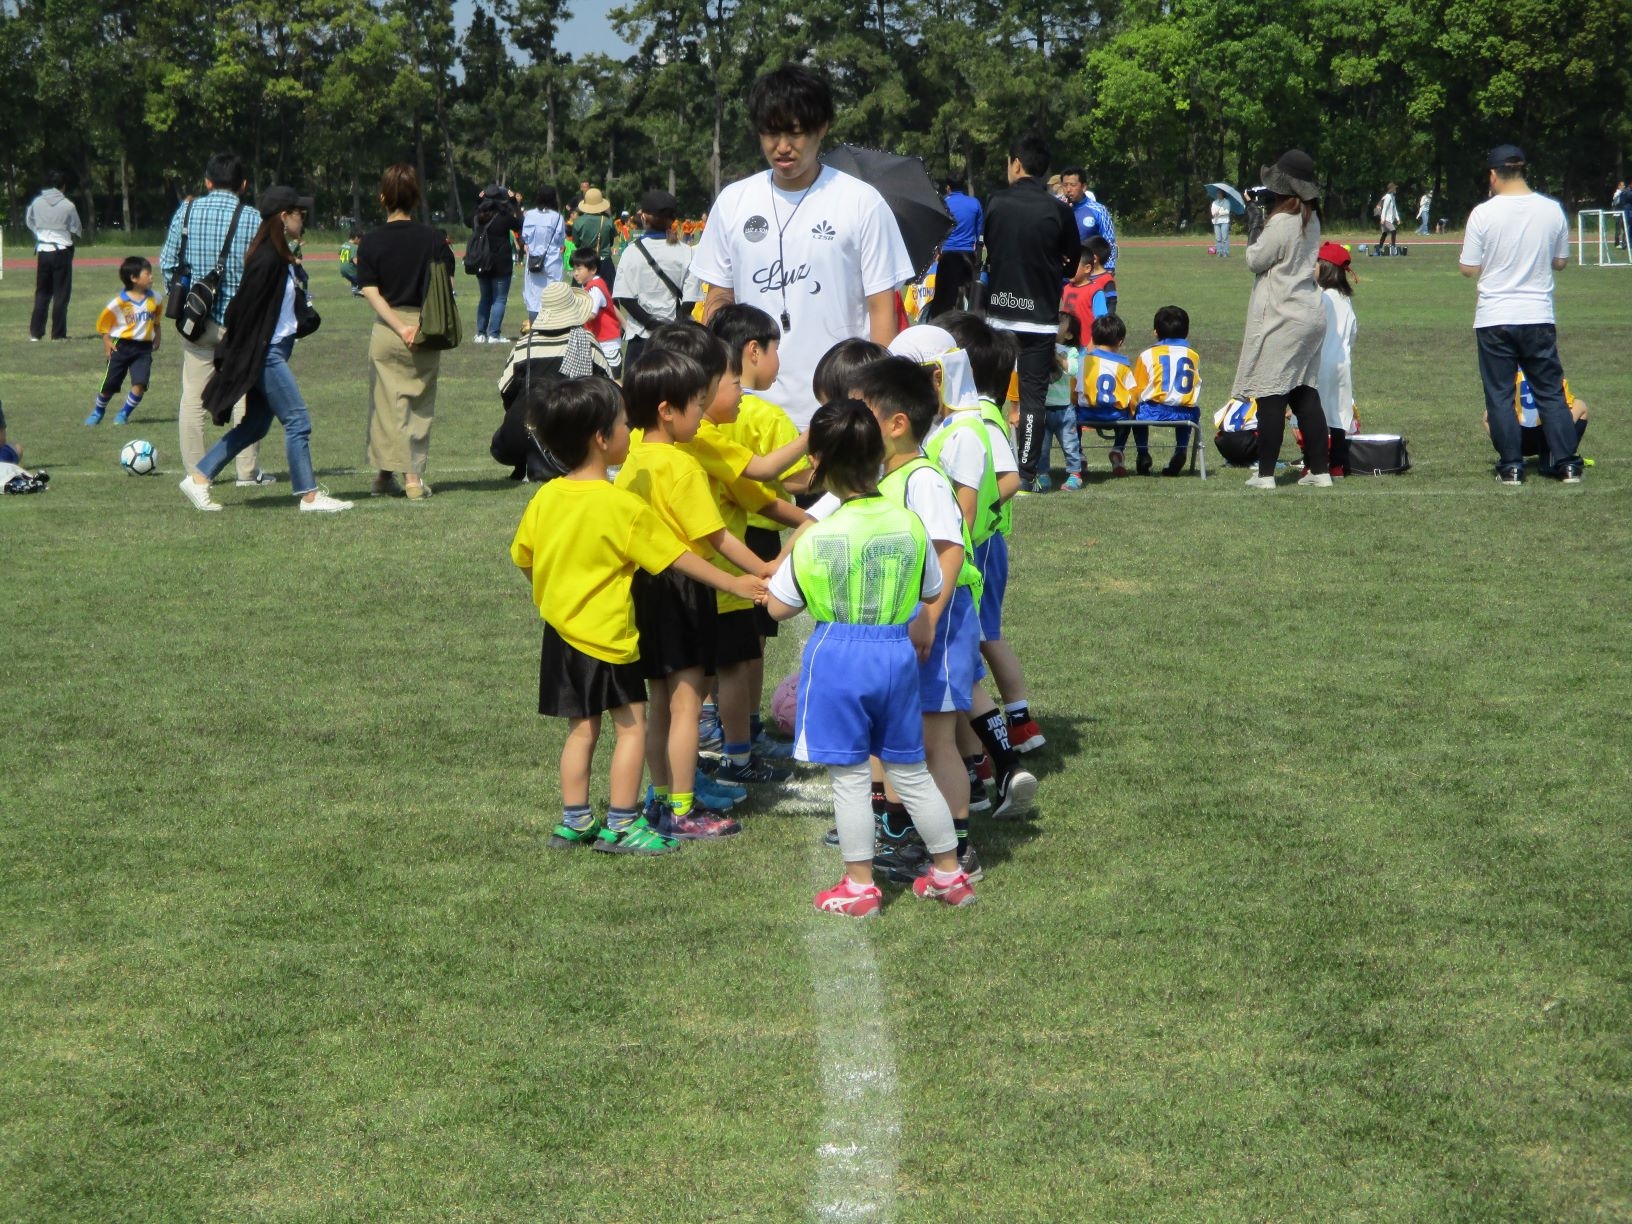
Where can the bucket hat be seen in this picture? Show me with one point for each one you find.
(1292, 174)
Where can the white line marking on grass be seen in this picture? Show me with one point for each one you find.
(861, 1111)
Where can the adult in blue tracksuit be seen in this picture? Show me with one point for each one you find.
(960, 253)
(1093, 218)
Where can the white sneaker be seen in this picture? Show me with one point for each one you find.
(498, 340)
(198, 494)
(323, 504)
(1317, 480)
(479, 339)
(260, 478)
(1267, 482)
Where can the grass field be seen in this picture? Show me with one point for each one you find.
(1325, 913)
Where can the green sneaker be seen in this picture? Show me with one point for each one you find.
(636, 838)
(564, 836)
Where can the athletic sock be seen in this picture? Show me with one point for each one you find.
(102, 402)
(577, 816)
(661, 793)
(993, 730)
(851, 887)
(739, 754)
(1018, 711)
(618, 819)
(943, 878)
(680, 803)
(879, 802)
(961, 828)
(132, 402)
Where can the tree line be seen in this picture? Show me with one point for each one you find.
(1155, 97)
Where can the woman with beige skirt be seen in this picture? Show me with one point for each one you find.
(393, 262)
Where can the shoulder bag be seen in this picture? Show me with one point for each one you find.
(176, 297)
(640, 245)
(439, 325)
(201, 293)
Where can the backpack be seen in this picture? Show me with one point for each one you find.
(479, 253)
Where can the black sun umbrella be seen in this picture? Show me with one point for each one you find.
(920, 213)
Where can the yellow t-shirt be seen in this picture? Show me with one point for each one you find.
(130, 316)
(583, 539)
(763, 427)
(669, 480)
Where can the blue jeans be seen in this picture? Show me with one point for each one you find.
(1503, 352)
(1062, 424)
(494, 291)
(1221, 237)
(279, 397)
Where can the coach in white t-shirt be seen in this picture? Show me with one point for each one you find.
(816, 249)
(1514, 243)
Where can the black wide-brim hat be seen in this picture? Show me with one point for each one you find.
(1293, 174)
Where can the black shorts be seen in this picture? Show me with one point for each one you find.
(132, 357)
(572, 684)
(738, 637)
(676, 619)
(767, 546)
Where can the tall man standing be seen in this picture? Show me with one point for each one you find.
(960, 260)
(1514, 243)
(55, 222)
(816, 249)
(1032, 249)
(208, 219)
(1093, 218)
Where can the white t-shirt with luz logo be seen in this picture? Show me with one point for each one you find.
(838, 244)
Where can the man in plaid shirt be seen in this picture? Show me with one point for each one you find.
(207, 225)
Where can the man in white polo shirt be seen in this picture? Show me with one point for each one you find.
(814, 248)
(1514, 243)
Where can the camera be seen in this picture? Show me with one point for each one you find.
(1261, 196)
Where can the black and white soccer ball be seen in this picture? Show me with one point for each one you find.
(138, 458)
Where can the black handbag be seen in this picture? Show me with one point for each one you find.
(1378, 455)
(176, 298)
(201, 294)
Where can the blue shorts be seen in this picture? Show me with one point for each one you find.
(947, 678)
(992, 560)
(1102, 416)
(1161, 412)
(858, 697)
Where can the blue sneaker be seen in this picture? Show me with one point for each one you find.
(773, 749)
(1044, 484)
(121, 418)
(94, 419)
(756, 770)
(715, 795)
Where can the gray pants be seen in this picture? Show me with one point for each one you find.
(853, 808)
(197, 364)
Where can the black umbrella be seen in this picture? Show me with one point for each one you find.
(920, 213)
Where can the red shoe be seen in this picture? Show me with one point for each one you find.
(958, 893)
(840, 900)
(983, 771)
(1025, 735)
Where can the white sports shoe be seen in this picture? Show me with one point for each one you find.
(1316, 480)
(1261, 482)
(478, 338)
(198, 494)
(323, 504)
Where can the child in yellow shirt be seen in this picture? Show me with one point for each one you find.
(129, 327)
(580, 543)
(1167, 386)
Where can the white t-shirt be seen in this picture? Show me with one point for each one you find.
(1514, 240)
(963, 458)
(287, 325)
(1336, 379)
(822, 251)
(639, 283)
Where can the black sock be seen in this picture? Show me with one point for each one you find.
(961, 828)
(993, 730)
(878, 799)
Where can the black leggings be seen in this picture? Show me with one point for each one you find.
(1305, 405)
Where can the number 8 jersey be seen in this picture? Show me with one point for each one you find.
(1167, 373)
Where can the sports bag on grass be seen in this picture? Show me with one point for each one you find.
(439, 326)
(176, 298)
(1378, 455)
(201, 294)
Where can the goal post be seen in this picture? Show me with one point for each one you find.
(1608, 227)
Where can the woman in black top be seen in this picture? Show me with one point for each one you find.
(497, 217)
(393, 262)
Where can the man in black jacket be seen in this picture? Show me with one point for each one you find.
(1032, 249)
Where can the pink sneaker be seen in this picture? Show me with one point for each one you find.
(697, 824)
(840, 900)
(958, 893)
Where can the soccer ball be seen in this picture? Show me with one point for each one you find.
(784, 702)
(138, 458)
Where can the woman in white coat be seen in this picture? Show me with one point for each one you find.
(544, 235)
(1336, 384)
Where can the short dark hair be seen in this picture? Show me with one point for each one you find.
(1070, 329)
(846, 446)
(356, 233)
(990, 351)
(1172, 323)
(226, 171)
(1032, 154)
(547, 197)
(1509, 172)
(837, 370)
(566, 415)
(1099, 248)
(790, 98)
(953, 182)
(1109, 331)
(585, 257)
(1076, 172)
(737, 326)
(900, 385)
(695, 341)
(133, 267)
(399, 188)
(57, 179)
(662, 376)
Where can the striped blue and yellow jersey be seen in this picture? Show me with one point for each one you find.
(1167, 373)
(1108, 381)
(131, 316)
(1524, 401)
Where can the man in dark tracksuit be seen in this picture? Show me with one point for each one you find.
(1032, 249)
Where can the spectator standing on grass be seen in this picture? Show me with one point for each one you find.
(497, 218)
(1032, 247)
(54, 221)
(544, 239)
(1093, 218)
(1513, 244)
(208, 220)
(393, 264)
(959, 265)
(1425, 207)
(595, 230)
(1388, 218)
(1622, 200)
(816, 249)
(1286, 322)
(655, 267)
